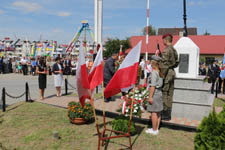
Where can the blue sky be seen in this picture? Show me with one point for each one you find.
(60, 19)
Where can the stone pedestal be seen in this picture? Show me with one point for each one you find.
(192, 98)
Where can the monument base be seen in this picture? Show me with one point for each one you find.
(192, 98)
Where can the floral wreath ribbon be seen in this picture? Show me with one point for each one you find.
(124, 107)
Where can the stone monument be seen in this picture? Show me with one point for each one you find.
(192, 98)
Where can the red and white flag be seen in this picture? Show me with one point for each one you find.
(126, 75)
(96, 74)
(82, 78)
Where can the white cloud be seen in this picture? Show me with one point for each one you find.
(26, 6)
(63, 14)
(1, 12)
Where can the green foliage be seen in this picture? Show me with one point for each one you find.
(121, 123)
(202, 59)
(211, 132)
(113, 45)
(151, 30)
(75, 110)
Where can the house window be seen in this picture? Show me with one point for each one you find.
(209, 60)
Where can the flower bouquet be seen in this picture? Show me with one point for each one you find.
(140, 95)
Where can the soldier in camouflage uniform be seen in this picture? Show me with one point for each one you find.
(169, 62)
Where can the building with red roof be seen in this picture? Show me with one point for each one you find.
(211, 46)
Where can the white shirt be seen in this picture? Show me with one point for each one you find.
(23, 61)
(142, 64)
(59, 66)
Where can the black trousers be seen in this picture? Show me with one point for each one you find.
(25, 69)
(213, 85)
(220, 88)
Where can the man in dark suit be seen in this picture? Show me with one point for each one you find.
(202, 70)
(109, 71)
(67, 66)
(213, 73)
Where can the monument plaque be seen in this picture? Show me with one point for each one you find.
(184, 63)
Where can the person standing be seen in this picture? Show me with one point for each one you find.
(1, 65)
(202, 70)
(42, 76)
(67, 66)
(147, 71)
(109, 71)
(168, 63)
(155, 105)
(24, 65)
(58, 76)
(142, 64)
(213, 74)
(33, 66)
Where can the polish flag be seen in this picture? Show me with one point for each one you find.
(83, 85)
(126, 75)
(96, 74)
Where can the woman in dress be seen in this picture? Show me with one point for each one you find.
(42, 76)
(58, 76)
(155, 105)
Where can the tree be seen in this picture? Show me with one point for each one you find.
(151, 30)
(113, 45)
(206, 33)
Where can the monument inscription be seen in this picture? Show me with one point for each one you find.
(184, 63)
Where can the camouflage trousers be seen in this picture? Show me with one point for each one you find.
(168, 90)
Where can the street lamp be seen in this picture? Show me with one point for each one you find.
(185, 20)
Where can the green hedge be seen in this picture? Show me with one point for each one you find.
(211, 132)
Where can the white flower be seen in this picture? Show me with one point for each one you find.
(126, 115)
(127, 110)
(135, 105)
(135, 111)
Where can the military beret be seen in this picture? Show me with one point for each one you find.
(166, 35)
(156, 58)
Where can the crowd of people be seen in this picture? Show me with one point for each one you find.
(212, 72)
(157, 73)
(27, 65)
(41, 67)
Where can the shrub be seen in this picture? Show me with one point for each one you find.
(121, 123)
(211, 132)
(75, 110)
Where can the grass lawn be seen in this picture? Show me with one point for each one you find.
(218, 102)
(29, 126)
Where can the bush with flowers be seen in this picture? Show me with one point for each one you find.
(140, 95)
(75, 110)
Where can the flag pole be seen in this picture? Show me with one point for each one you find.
(146, 51)
(96, 121)
(103, 111)
(131, 115)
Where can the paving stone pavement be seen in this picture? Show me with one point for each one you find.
(15, 86)
(114, 105)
